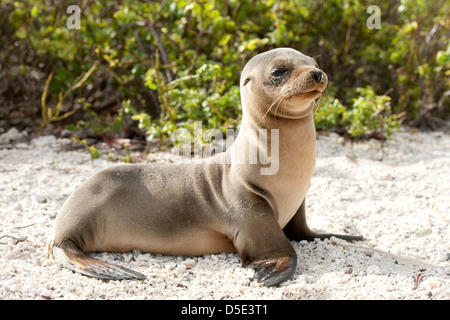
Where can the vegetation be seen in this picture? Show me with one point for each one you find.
(151, 67)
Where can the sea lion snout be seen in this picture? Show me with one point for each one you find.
(309, 84)
(318, 76)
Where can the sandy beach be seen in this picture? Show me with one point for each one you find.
(398, 199)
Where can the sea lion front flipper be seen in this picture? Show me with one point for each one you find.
(273, 271)
(262, 246)
(297, 229)
(69, 255)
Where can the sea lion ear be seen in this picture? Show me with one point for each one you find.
(246, 81)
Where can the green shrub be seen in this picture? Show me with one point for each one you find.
(370, 113)
(329, 114)
(367, 114)
(163, 65)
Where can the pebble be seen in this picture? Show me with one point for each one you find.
(180, 269)
(189, 263)
(12, 136)
(373, 269)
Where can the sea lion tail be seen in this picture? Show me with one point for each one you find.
(70, 256)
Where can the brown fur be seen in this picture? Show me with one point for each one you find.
(216, 206)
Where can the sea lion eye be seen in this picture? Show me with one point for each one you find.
(278, 74)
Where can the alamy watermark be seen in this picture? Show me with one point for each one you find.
(74, 20)
(374, 21)
(255, 152)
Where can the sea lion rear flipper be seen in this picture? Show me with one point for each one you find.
(297, 229)
(70, 256)
(263, 247)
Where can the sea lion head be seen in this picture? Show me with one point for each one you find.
(282, 83)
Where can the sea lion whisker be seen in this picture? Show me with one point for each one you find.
(320, 101)
(268, 109)
(280, 100)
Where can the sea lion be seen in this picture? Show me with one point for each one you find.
(220, 204)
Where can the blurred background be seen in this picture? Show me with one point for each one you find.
(140, 70)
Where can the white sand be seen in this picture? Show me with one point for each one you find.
(401, 205)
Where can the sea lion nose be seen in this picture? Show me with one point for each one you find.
(317, 76)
